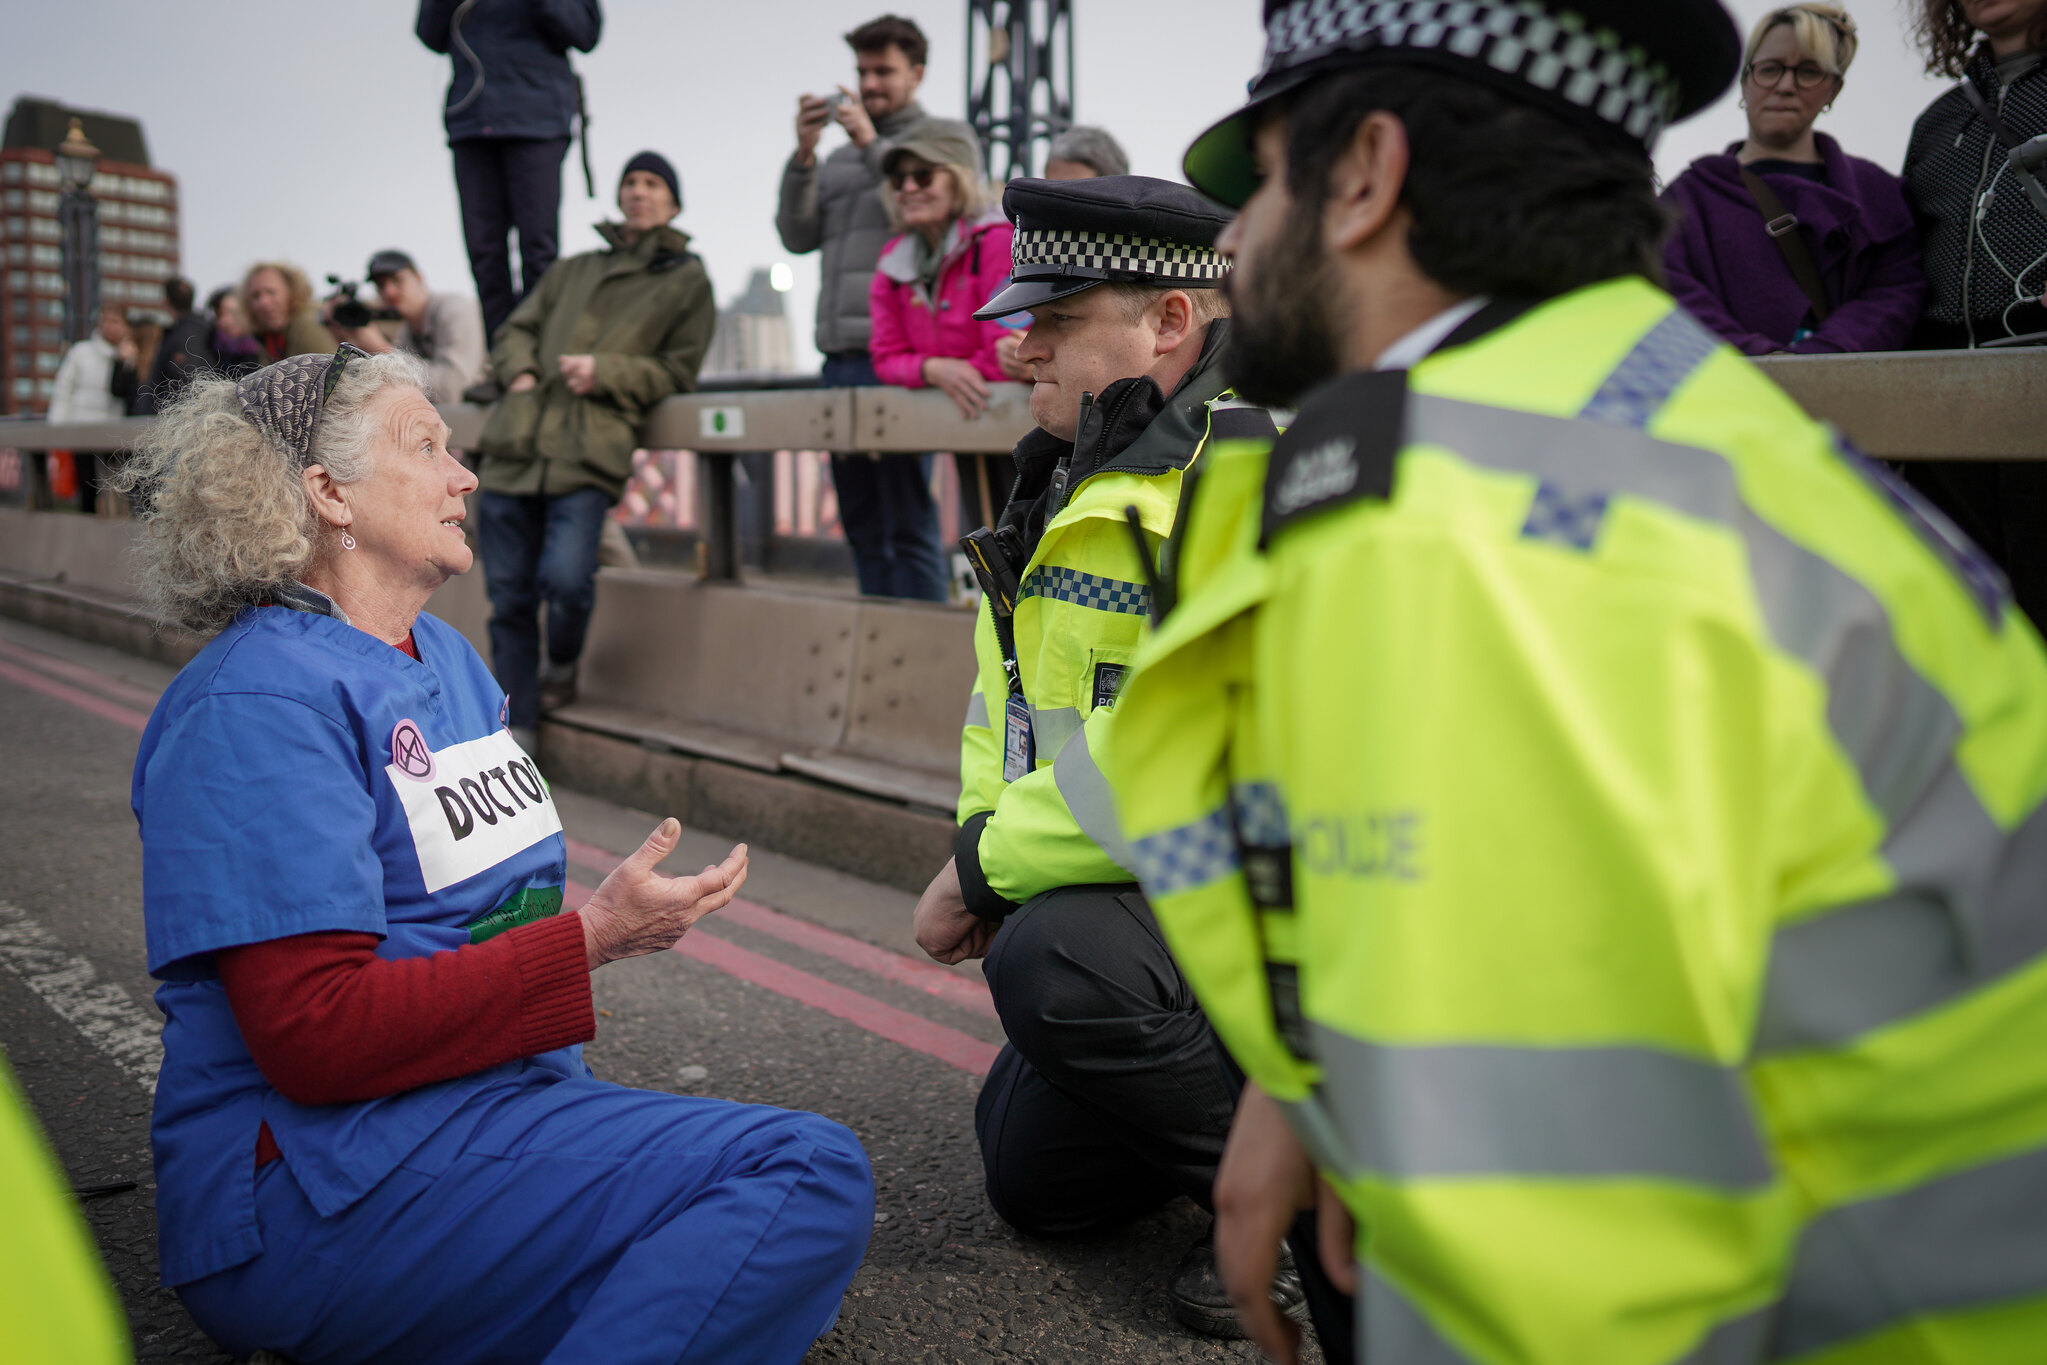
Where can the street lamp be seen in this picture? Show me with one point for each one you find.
(78, 213)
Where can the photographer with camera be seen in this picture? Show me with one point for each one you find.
(444, 330)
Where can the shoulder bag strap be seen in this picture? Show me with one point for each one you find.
(1782, 225)
(1989, 115)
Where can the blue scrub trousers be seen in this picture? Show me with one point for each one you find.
(564, 1221)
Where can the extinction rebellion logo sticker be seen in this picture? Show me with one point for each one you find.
(409, 754)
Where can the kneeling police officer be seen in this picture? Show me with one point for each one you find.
(1113, 1095)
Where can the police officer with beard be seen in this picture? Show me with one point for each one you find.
(1601, 814)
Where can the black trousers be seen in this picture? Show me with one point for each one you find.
(507, 183)
(1113, 1094)
(2002, 506)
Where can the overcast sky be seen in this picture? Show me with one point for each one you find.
(312, 131)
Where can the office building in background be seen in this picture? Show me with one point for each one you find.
(138, 238)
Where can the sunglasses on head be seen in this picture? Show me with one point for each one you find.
(342, 355)
(921, 177)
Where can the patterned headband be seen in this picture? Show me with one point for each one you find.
(1554, 52)
(285, 400)
(1041, 252)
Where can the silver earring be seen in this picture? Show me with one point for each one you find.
(347, 541)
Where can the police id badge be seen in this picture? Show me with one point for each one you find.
(1019, 749)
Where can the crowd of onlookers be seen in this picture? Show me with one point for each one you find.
(1786, 243)
(1782, 243)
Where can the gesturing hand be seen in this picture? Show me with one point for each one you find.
(1264, 1182)
(946, 930)
(638, 911)
(960, 381)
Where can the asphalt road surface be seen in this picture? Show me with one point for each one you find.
(808, 995)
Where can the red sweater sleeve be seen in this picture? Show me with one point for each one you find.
(330, 1022)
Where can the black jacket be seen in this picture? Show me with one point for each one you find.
(529, 89)
(1953, 158)
(185, 351)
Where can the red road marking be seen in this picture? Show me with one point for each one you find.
(84, 701)
(949, 1045)
(111, 688)
(954, 989)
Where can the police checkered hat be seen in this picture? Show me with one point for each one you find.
(1621, 68)
(1075, 234)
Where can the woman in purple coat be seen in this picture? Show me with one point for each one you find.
(1851, 214)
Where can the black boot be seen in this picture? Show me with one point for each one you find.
(1198, 1300)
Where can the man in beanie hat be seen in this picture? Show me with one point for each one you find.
(1601, 814)
(605, 337)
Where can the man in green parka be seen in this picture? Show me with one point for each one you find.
(606, 336)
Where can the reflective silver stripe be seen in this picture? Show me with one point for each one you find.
(1648, 375)
(1460, 1109)
(1896, 727)
(1391, 1329)
(1086, 793)
(1185, 858)
(1395, 1330)
(977, 711)
(1866, 965)
(1051, 728)
(1951, 1244)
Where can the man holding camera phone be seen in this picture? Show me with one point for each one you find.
(831, 206)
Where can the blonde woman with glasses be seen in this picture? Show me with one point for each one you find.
(1784, 241)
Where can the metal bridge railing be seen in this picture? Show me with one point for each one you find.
(1906, 405)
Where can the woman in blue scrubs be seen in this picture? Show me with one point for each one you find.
(375, 1136)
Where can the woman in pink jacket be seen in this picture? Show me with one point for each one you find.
(951, 258)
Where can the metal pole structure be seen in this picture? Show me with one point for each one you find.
(1019, 80)
(78, 218)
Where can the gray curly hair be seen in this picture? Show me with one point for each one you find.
(226, 518)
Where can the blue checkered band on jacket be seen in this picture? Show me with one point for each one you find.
(1650, 373)
(1554, 52)
(1565, 518)
(1185, 858)
(1053, 251)
(1261, 814)
(1087, 590)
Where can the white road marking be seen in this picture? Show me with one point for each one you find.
(101, 1010)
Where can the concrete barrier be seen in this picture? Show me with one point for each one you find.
(1903, 405)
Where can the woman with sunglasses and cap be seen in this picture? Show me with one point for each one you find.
(951, 257)
(1784, 241)
(375, 1138)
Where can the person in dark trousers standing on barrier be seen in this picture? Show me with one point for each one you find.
(509, 115)
(834, 207)
(1112, 1095)
(605, 337)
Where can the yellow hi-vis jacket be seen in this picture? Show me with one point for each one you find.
(1083, 602)
(1609, 814)
(55, 1302)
